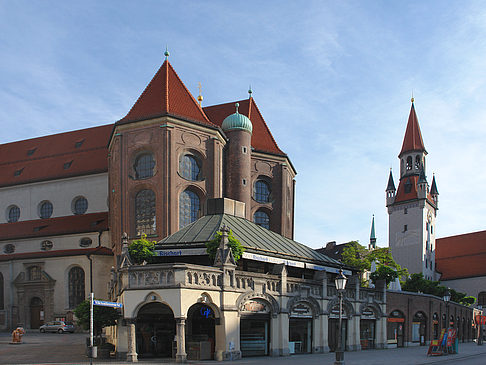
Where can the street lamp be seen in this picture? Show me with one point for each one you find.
(447, 298)
(340, 282)
(480, 335)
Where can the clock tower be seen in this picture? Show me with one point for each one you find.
(412, 208)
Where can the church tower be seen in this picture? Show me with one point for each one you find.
(412, 208)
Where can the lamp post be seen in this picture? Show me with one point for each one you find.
(480, 335)
(447, 298)
(340, 282)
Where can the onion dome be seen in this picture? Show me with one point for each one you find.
(237, 121)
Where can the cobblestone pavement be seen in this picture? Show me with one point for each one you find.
(67, 348)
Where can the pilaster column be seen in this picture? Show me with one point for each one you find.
(132, 353)
(181, 355)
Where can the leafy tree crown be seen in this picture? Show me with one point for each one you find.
(236, 247)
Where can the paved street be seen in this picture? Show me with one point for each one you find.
(53, 348)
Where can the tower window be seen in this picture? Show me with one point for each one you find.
(405, 228)
(408, 186)
(144, 166)
(188, 208)
(418, 163)
(262, 219)
(145, 212)
(190, 167)
(262, 191)
(409, 163)
(405, 211)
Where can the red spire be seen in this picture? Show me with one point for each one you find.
(413, 138)
(166, 94)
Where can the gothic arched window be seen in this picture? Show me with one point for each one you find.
(418, 163)
(76, 286)
(145, 212)
(262, 191)
(190, 167)
(188, 208)
(262, 219)
(409, 163)
(144, 166)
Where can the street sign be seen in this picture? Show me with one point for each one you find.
(107, 304)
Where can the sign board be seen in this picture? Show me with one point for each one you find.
(254, 306)
(107, 304)
(181, 252)
(326, 269)
(301, 310)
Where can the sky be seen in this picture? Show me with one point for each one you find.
(333, 80)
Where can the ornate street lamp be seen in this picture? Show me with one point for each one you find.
(340, 282)
(480, 335)
(447, 298)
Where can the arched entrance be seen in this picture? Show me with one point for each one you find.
(36, 313)
(155, 330)
(300, 328)
(395, 328)
(255, 327)
(333, 327)
(367, 328)
(200, 332)
(419, 328)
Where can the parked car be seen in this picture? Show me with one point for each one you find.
(57, 326)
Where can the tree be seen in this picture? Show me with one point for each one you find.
(384, 273)
(417, 283)
(358, 256)
(236, 247)
(102, 317)
(141, 250)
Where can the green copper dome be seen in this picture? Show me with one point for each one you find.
(237, 121)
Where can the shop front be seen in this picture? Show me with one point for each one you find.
(419, 326)
(367, 328)
(300, 329)
(255, 328)
(200, 332)
(333, 328)
(155, 331)
(395, 328)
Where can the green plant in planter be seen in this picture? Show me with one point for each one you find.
(141, 250)
(236, 247)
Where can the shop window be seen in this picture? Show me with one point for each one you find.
(13, 214)
(189, 205)
(190, 167)
(76, 286)
(144, 166)
(145, 212)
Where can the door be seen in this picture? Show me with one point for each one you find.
(36, 309)
(254, 336)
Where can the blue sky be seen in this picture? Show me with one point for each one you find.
(333, 80)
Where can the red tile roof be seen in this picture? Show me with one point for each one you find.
(413, 137)
(461, 256)
(43, 158)
(402, 196)
(103, 251)
(93, 222)
(166, 94)
(261, 139)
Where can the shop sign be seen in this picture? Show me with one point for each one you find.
(368, 312)
(396, 319)
(181, 252)
(335, 311)
(254, 306)
(302, 310)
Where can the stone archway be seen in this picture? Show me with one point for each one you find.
(200, 332)
(155, 330)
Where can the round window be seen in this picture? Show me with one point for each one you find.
(80, 205)
(9, 248)
(45, 210)
(46, 245)
(85, 242)
(13, 214)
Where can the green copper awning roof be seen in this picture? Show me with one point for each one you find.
(254, 238)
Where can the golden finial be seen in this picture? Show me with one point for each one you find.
(412, 98)
(199, 97)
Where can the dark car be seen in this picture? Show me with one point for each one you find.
(57, 326)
